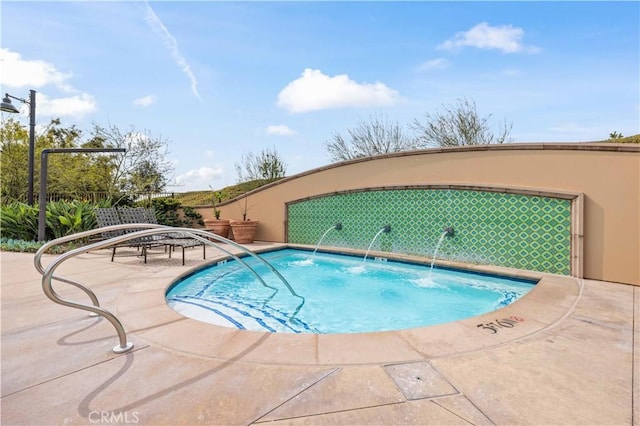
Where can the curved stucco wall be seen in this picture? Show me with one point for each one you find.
(608, 175)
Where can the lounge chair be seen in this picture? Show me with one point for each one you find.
(170, 240)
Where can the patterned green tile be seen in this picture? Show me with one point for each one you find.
(519, 231)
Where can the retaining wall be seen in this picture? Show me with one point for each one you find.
(474, 189)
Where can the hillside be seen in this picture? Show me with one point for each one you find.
(205, 198)
(628, 139)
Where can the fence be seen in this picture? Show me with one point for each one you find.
(92, 197)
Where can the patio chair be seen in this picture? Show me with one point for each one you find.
(108, 217)
(112, 216)
(175, 239)
(169, 240)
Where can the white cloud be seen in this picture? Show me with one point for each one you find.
(315, 91)
(434, 64)
(200, 178)
(483, 36)
(145, 101)
(279, 130)
(21, 73)
(171, 43)
(72, 106)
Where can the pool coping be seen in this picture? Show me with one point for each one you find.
(143, 310)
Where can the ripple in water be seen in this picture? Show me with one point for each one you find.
(356, 269)
(304, 262)
(426, 282)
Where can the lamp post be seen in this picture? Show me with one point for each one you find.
(7, 106)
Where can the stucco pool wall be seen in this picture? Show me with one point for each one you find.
(601, 179)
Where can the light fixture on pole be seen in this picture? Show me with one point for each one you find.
(7, 106)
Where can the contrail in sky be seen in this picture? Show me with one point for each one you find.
(172, 44)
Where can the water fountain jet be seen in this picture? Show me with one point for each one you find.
(386, 229)
(337, 227)
(448, 231)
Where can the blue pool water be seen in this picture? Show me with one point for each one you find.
(342, 294)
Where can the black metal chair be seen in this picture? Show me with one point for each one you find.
(170, 240)
(112, 216)
(175, 239)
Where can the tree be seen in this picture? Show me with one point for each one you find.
(72, 174)
(146, 178)
(265, 165)
(62, 137)
(615, 135)
(375, 137)
(143, 167)
(14, 140)
(458, 125)
(68, 174)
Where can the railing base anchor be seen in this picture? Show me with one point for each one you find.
(121, 349)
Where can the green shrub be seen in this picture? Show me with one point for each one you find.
(19, 221)
(191, 217)
(22, 246)
(9, 244)
(167, 211)
(69, 217)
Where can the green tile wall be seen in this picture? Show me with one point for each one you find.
(512, 230)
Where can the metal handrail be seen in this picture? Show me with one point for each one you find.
(147, 230)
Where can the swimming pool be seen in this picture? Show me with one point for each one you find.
(335, 293)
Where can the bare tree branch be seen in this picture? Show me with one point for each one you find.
(265, 165)
(375, 137)
(144, 167)
(458, 125)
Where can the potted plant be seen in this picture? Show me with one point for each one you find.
(217, 226)
(244, 230)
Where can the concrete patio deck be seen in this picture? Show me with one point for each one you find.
(574, 359)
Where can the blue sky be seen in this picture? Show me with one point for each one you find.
(222, 79)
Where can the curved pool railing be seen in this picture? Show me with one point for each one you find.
(145, 230)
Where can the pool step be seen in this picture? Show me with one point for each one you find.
(231, 313)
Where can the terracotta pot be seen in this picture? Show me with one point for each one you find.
(243, 230)
(217, 226)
